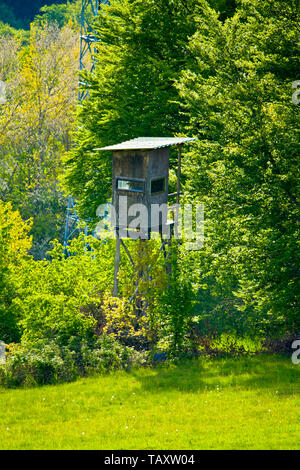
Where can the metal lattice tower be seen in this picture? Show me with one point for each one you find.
(89, 10)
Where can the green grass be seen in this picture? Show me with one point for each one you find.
(242, 403)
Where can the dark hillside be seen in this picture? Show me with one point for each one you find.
(19, 13)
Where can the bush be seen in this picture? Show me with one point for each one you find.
(281, 345)
(215, 345)
(175, 305)
(109, 355)
(34, 365)
(47, 363)
(61, 297)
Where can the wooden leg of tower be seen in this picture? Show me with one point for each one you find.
(117, 265)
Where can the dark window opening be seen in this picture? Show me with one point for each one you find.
(158, 185)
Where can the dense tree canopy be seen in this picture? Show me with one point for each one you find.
(36, 123)
(245, 167)
(14, 245)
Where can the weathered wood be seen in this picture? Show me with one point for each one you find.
(117, 266)
(178, 174)
(127, 252)
(174, 194)
(142, 167)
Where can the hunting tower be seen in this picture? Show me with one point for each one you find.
(140, 171)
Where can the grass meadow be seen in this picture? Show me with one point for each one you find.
(234, 403)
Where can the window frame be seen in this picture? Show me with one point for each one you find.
(164, 188)
(134, 180)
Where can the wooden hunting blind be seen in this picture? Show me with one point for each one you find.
(140, 171)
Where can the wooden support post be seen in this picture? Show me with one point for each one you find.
(178, 174)
(117, 265)
(127, 252)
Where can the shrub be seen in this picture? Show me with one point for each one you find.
(35, 365)
(224, 345)
(175, 305)
(48, 363)
(109, 354)
(61, 297)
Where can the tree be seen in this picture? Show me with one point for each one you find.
(22, 12)
(7, 15)
(237, 94)
(14, 245)
(225, 8)
(36, 124)
(60, 14)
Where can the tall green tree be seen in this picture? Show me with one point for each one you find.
(60, 14)
(237, 94)
(35, 125)
(14, 245)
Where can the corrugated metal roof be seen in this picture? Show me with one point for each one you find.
(144, 143)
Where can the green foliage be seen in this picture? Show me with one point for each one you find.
(212, 69)
(226, 344)
(35, 125)
(61, 297)
(225, 8)
(132, 318)
(233, 89)
(175, 303)
(8, 17)
(33, 365)
(42, 362)
(60, 14)
(14, 244)
(107, 355)
(10, 27)
(245, 166)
